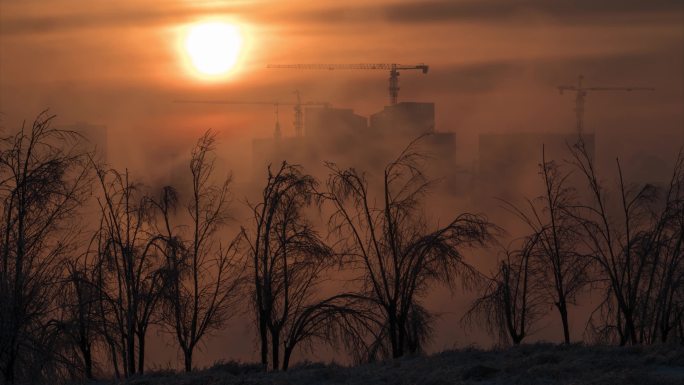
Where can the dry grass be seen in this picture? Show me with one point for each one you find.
(527, 364)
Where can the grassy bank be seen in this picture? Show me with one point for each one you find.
(528, 364)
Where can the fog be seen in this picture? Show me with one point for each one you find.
(494, 69)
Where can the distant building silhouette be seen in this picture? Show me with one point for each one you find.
(509, 162)
(399, 123)
(646, 168)
(329, 134)
(341, 136)
(406, 119)
(333, 123)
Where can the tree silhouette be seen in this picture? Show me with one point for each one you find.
(557, 257)
(512, 300)
(43, 180)
(662, 306)
(397, 254)
(657, 245)
(129, 268)
(201, 277)
(288, 259)
(612, 236)
(80, 322)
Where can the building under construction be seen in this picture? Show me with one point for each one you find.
(351, 140)
(506, 163)
(509, 163)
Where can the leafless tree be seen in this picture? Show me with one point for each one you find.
(512, 300)
(129, 268)
(43, 181)
(78, 302)
(564, 267)
(612, 233)
(662, 295)
(288, 259)
(397, 254)
(201, 277)
(340, 320)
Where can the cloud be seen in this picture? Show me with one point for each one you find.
(118, 17)
(294, 12)
(655, 67)
(472, 78)
(573, 11)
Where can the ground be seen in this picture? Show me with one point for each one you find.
(527, 364)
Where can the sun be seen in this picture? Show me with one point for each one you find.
(213, 47)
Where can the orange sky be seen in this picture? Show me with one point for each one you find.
(494, 66)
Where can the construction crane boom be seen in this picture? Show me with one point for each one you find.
(582, 93)
(256, 103)
(392, 68)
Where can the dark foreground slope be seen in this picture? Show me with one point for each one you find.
(529, 364)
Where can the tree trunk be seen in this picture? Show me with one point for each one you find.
(393, 335)
(88, 362)
(9, 370)
(286, 357)
(563, 310)
(401, 338)
(131, 352)
(124, 356)
(141, 352)
(187, 355)
(631, 330)
(115, 360)
(263, 333)
(85, 345)
(664, 334)
(275, 347)
(516, 339)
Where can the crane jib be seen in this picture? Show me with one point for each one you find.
(393, 68)
(582, 93)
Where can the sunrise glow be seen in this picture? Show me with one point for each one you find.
(352, 192)
(213, 48)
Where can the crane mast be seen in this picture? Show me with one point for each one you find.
(298, 116)
(581, 94)
(392, 68)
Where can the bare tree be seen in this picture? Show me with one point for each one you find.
(512, 300)
(79, 303)
(43, 181)
(288, 259)
(129, 268)
(201, 276)
(662, 295)
(558, 258)
(613, 240)
(342, 319)
(397, 254)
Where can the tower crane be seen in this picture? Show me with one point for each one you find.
(392, 68)
(582, 91)
(297, 106)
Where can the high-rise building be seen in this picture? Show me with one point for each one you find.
(343, 137)
(330, 134)
(397, 125)
(509, 163)
(405, 119)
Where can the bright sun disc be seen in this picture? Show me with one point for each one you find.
(213, 47)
